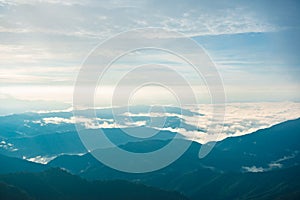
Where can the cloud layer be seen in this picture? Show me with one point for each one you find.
(240, 119)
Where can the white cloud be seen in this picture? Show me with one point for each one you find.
(240, 119)
(41, 159)
(273, 165)
(37, 35)
(136, 123)
(253, 169)
(48, 34)
(50, 38)
(192, 19)
(284, 158)
(87, 123)
(54, 111)
(46, 159)
(58, 120)
(151, 114)
(8, 146)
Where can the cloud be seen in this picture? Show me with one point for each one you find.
(54, 111)
(136, 123)
(51, 38)
(8, 146)
(109, 18)
(240, 119)
(88, 123)
(151, 114)
(64, 29)
(57, 120)
(41, 159)
(44, 43)
(284, 158)
(273, 165)
(253, 169)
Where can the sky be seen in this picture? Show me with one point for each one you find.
(254, 45)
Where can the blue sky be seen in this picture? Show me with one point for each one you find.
(254, 44)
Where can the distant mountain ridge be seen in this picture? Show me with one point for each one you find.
(49, 134)
(12, 165)
(58, 184)
(273, 147)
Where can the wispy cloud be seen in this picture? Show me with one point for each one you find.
(273, 165)
(47, 34)
(253, 169)
(112, 17)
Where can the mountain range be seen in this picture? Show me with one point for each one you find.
(58, 184)
(260, 165)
